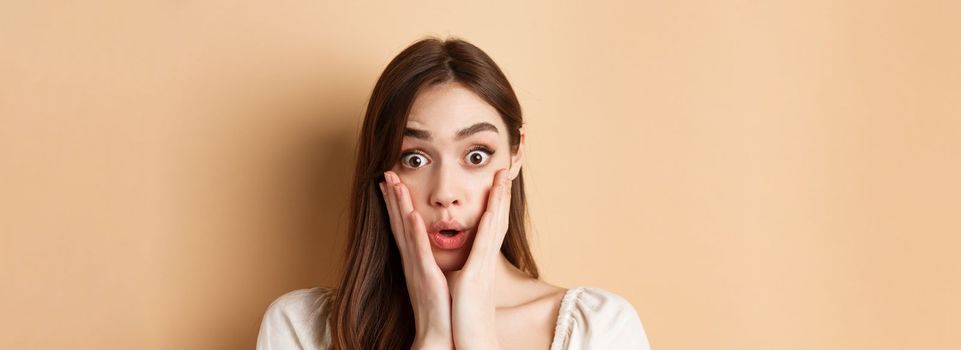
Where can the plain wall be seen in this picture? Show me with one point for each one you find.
(749, 174)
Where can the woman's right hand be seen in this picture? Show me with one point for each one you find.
(426, 283)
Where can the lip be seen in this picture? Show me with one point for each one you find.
(438, 226)
(443, 242)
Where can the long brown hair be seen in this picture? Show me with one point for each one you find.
(371, 308)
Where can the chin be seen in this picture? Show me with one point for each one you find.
(451, 260)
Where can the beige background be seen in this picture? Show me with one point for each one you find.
(749, 174)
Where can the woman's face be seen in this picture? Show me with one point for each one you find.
(453, 145)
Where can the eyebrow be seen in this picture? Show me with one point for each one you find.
(465, 132)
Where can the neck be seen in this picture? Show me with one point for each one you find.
(508, 281)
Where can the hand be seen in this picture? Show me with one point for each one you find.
(426, 284)
(472, 287)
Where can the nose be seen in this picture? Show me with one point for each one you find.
(446, 191)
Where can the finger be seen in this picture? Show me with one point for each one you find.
(504, 203)
(405, 207)
(487, 234)
(421, 242)
(499, 202)
(399, 200)
(416, 231)
(396, 222)
(481, 248)
(506, 210)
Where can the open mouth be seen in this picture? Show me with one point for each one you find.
(448, 239)
(448, 234)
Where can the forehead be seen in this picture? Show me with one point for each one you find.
(446, 108)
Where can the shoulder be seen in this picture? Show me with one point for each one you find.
(296, 319)
(591, 317)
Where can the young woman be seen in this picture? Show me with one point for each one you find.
(437, 254)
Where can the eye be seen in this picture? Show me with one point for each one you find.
(479, 156)
(413, 160)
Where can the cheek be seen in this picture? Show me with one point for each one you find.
(417, 188)
(479, 189)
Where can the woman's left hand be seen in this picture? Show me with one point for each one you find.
(472, 287)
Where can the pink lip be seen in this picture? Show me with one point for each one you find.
(446, 225)
(447, 243)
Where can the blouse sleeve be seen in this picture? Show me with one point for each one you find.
(593, 318)
(295, 320)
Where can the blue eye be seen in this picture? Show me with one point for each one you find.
(479, 156)
(413, 160)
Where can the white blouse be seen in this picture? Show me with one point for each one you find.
(589, 318)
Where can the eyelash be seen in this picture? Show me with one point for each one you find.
(404, 154)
